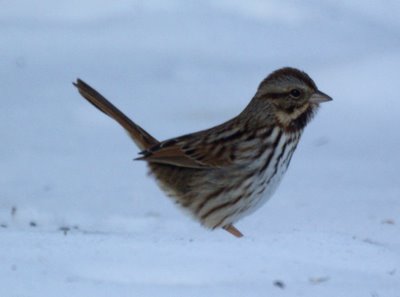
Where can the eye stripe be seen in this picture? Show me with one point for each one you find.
(282, 94)
(276, 95)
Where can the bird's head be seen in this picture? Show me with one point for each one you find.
(292, 95)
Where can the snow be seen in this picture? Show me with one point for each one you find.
(79, 218)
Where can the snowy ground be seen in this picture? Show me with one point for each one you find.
(79, 218)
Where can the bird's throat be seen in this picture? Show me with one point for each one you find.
(296, 119)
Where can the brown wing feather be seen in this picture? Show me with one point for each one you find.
(172, 155)
(198, 150)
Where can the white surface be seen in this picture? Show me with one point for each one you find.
(332, 228)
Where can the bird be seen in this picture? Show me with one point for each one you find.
(222, 174)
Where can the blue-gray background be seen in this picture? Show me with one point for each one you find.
(180, 66)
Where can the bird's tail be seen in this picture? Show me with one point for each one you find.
(142, 139)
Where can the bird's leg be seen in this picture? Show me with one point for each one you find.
(231, 229)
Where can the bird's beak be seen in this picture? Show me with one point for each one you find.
(319, 97)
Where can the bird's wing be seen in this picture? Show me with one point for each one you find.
(213, 148)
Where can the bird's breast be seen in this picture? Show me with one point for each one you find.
(270, 167)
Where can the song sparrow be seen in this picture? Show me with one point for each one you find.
(227, 172)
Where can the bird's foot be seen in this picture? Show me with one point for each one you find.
(231, 229)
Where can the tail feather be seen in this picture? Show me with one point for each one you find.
(142, 139)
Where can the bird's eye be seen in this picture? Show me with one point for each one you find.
(295, 93)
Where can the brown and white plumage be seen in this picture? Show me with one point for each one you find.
(226, 172)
